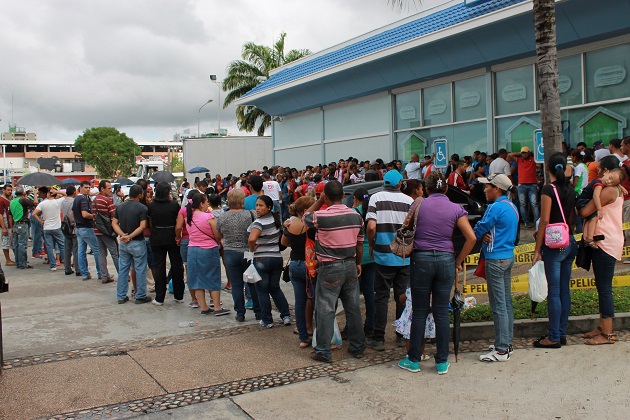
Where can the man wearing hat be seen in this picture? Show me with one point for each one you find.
(600, 150)
(527, 185)
(386, 213)
(499, 230)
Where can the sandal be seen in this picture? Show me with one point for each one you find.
(605, 339)
(593, 333)
(305, 344)
(424, 357)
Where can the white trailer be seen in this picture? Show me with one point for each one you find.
(227, 155)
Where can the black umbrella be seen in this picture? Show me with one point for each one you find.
(38, 178)
(122, 180)
(70, 181)
(163, 176)
(457, 302)
(198, 170)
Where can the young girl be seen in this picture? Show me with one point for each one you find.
(403, 324)
(592, 191)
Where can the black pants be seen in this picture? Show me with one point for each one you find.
(177, 271)
(387, 277)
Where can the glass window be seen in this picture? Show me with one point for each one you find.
(15, 148)
(515, 90)
(570, 80)
(606, 73)
(463, 139)
(436, 104)
(470, 99)
(36, 148)
(595, 123)
(408, 110)
(516, 132)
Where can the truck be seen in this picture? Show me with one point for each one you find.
(227, 155)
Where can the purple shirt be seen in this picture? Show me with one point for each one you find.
(437, 219)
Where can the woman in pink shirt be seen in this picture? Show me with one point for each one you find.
(204, 264)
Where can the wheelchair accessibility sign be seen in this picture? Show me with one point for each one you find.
(440, 148)
(539, 147)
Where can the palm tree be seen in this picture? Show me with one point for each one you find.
(244, 75)
(547, 70)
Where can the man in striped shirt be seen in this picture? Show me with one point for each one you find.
(103, 204)
(339, 249)
(386, 213)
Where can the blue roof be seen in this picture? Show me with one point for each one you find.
(406, 32)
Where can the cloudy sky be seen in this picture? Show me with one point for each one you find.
(143, 66)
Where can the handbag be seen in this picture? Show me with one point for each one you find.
(286, 277)
(402, 245)
(480, 271)
(584, 256)
(104, 224)
(557, 234)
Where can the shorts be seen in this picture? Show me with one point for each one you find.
(183, 250)
(7, 240)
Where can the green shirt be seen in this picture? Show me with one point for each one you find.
(17, 209)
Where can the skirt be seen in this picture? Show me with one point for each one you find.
(204, 269)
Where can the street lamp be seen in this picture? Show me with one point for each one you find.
(213, 77)
(199, 113)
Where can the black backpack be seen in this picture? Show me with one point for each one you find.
(67, 224)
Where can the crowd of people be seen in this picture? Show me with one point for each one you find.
(340, 251)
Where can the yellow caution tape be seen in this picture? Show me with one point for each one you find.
(521, 285)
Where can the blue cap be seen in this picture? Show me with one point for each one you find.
(392, 178)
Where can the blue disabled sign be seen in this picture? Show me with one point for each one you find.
(539, 147)
(440, 147)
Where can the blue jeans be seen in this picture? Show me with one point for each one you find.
(335, 281)
(54, 237)
(498, 276)
(432, 274)
(132, 253)
(236, 264)
(85, 237)
(604, 270)
(558, 264)
(38, 236)
(20, 243)
(297, 272)
(270, 269)
(528, 193)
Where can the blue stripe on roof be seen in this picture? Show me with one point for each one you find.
(406, 32)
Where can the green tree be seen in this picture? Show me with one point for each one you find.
(546, 68)
(244, 75)
(177, 164)
(106, 149)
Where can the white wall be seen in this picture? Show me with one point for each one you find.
(302, 128)
(367, 115)
(299, 157)
(368, 148)
(228, 154)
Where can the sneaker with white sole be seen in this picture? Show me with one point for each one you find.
(286, 320)
(53, 269)
(409, 365)
(263, 325)
(510, 348)
(495, 356)
(194, 304)
(156, 303)
(442, 368)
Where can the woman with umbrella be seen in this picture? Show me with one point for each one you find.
(434, 268)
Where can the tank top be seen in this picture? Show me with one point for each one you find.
(610, 227)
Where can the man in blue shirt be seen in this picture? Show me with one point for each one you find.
(499, 228)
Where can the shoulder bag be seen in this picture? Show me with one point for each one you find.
(557, 234)
(402, 245)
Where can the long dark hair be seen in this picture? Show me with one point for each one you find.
(556, 165)
(362, 195)
(162, 191)
(269, 203)
(197, 200)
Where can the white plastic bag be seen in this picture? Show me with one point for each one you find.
(537, 282)
(251, 275)
(336, 338)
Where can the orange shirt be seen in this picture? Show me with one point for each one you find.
(592, 170)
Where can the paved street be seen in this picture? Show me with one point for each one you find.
(71, 351)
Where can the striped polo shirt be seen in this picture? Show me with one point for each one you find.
(338, 229)
(269, 236)
(389, 209)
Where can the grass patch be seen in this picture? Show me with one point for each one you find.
(583, 302)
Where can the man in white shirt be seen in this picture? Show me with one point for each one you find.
(413, 168)
(600, 150)
(500, 165)
(50, 212)
(272, 189)
(615, 149)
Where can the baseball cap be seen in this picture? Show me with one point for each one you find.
(498, 180)
(524, 149)
(392, 178)
(598, 143)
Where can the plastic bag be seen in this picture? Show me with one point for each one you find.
(251, 275)
(537, 282)
(170, 286)
(336, 338)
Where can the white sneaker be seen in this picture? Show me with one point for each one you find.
(156, 303)
(510, 348)
(626, 261)
(53, 269)
(495, 356)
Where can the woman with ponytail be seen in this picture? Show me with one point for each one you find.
(204, 264)
(557, 204)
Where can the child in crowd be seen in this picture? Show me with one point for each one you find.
(593, 192)
(403, 324)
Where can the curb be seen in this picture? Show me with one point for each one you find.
(538, 327)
